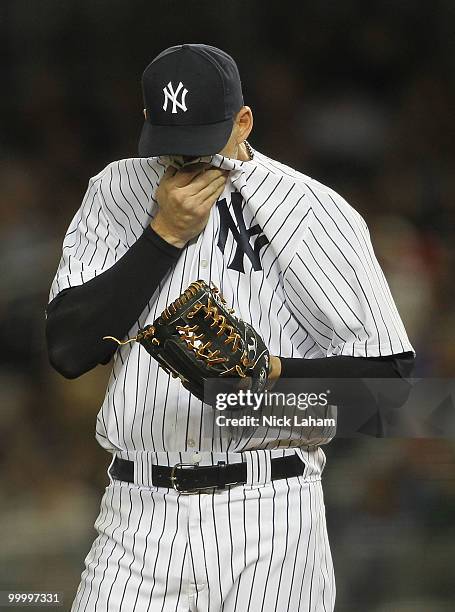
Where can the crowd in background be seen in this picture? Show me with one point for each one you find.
(359, 97)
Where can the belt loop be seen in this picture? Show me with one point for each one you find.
(221, 482)
(258, 468)
(143, 469)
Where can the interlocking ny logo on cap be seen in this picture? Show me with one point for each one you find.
(171, 96)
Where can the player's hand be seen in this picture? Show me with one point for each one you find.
(185, 198)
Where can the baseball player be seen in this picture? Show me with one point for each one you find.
(295, 261)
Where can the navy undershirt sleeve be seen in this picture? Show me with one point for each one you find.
(107, 305)
(360, 410)
(390, 366)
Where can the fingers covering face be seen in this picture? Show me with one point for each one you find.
(211, 191)
(202, 180)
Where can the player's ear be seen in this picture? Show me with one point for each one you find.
(243, 124)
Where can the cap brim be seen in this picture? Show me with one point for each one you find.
(194, 140)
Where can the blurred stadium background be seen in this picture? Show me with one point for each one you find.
(358, 95)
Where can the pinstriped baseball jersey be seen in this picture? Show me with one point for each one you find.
(290, 255)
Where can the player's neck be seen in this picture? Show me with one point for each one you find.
(243, 152)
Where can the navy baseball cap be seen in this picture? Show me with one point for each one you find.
(192, 94)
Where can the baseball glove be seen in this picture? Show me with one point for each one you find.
(197, 338)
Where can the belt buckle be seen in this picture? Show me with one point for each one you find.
(174, 479)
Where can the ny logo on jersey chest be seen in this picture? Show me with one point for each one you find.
(241, 235)
(172, 96)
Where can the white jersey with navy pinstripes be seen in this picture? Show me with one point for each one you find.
(289, 254)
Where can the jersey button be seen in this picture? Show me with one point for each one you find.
(204, 263)
(196, 457)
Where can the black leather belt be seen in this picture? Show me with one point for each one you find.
(192, 478)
